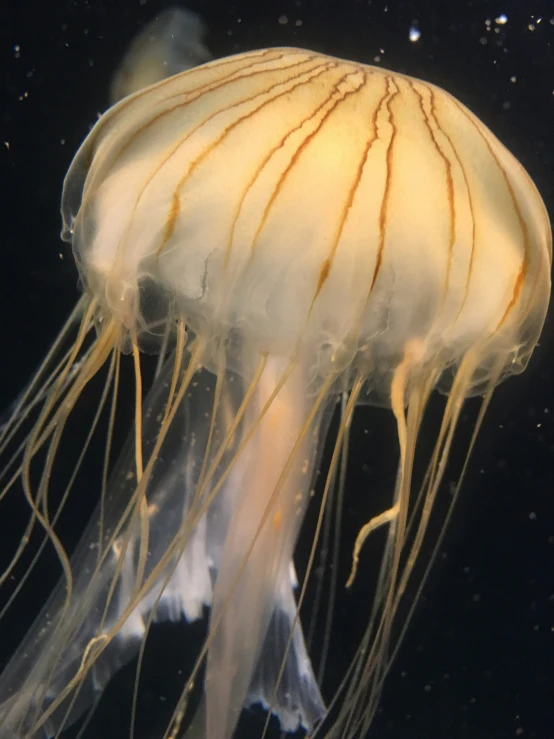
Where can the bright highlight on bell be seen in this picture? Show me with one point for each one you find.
(285, 230)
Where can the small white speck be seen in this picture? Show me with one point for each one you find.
(531, 26)
(532, 516)
(501, 20)
(283, 20)
(17, 51)
(513, 78)
(415, 34)
(298, 22)
(7, 145)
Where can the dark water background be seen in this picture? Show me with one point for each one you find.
(478, 660)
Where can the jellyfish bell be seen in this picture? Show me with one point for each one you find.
(286, 228)
(171, 43)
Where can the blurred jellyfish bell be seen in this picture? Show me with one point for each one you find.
(286, 229)
(171, 43)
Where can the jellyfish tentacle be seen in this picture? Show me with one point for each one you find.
(71, 662)
(109, 614)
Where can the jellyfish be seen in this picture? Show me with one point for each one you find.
(284, 231)
(171, 43)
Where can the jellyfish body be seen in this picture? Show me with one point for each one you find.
(313, 228)
(171, 43)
